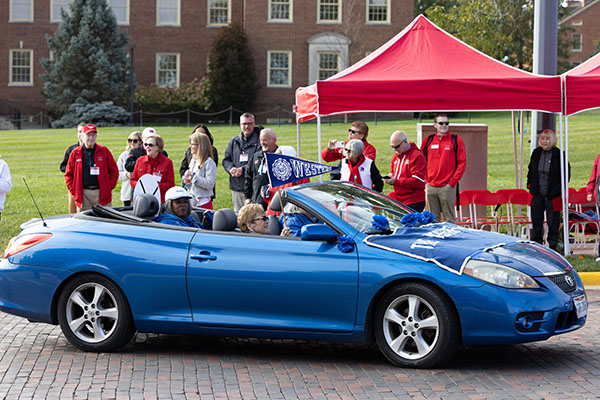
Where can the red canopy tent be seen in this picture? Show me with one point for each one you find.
(582, 85)
(423, 68)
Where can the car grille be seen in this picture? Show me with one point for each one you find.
(565, 281)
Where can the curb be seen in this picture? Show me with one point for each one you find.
(590, 278)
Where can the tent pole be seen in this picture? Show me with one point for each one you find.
(564, 179)
(514, 129)
(298, 138)
(522, 144)
(319, 143)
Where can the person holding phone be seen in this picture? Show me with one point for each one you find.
(408, 171)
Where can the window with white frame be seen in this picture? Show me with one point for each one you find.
(167, 12)
(121, 10)
(219, 12)
(329, 64)
(20, 67)
(577, 42)
(329, 11)
(281, 10)
(378, 11)
(279, 71)
(56, 6)
(21, 11)
(167, 69)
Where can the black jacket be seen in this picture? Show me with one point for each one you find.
(235, 148)
(533, 176)
(63, 164)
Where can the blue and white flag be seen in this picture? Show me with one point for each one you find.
(285, 169)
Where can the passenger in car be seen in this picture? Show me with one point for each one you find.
(252, 219)
(177, 208)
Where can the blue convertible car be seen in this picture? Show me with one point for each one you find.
(365, 272)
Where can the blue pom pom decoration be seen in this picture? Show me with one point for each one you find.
(346, 244)
(380, 223)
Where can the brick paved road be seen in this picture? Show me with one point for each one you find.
(37, 362)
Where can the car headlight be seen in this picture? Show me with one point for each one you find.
(499, 275)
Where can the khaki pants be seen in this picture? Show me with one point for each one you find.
(72, 205)
(239, 199)
(91, 197)
(440, 201)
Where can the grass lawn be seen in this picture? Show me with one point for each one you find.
(36, 154)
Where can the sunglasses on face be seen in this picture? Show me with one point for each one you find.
(347, 150)
(352, 131)
(398, 145)
(263, 218)
(133, 140)
(149, 145)
(444, 123)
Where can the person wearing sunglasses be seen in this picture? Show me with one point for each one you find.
(252, 219)
(133, 141)
(446, 164)
(407, 172)
(155, 163)
(359, 169)
(91, 172)
(334, 150)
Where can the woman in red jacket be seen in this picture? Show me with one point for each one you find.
(155, 163)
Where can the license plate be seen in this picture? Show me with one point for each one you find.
(581, 306)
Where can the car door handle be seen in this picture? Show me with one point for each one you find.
(204, 256)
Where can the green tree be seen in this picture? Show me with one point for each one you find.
(231, 76)
(421, 6)
(500, 29)
(89, 59)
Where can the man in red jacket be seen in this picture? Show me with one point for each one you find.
(408, 169)
(446, 163)
(91, 172)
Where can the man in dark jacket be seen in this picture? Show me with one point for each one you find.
(237, 154)
(257, 177)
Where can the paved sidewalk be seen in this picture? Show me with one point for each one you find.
(37, 362)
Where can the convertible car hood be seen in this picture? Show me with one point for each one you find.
(447, 245)
(543, 260)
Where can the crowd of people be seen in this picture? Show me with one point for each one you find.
(425, 177)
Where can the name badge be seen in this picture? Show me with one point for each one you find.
(158, 177)
(435, 146)
(94, 170)
(244, 158)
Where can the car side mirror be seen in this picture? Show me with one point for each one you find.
(318, 232)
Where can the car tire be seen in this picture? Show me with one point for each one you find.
(416, 326)
(94, 314)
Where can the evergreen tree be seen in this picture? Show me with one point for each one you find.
(232, 76)
(89, 58)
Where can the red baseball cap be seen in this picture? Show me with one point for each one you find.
(89, 128)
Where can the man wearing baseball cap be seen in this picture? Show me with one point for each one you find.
(91, 172)
(177, 208)
(139, 151)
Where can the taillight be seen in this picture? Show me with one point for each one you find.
(20, 243)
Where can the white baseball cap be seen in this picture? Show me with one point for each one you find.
(148, 132)
(286, 151)
(177, 192)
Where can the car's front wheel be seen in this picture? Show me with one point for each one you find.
(416, 326)
(94, 315)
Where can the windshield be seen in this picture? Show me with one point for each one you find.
(355, 205)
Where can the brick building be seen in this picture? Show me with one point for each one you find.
(293, 42)
(583, 18)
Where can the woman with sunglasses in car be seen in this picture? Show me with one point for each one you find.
(133, 141)
(252, 219)
(155, 163)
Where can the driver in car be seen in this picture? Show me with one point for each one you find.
(177, 208)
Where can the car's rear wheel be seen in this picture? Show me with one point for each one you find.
(416, 326)
(94, 314)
